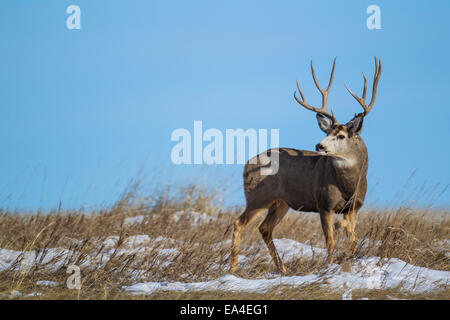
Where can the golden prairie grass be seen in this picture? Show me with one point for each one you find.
(419, 237)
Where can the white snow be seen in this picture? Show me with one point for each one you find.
(47, 283)
(347, 295)
(54, 258)
(168, 253)
(15, 294)
(289, 249)
(34, 294)
(131, 221)
(226, 283)
(195, 218)
(110, 242)
(137, 241)
(26, 259)
(376, 273)
(365, 273)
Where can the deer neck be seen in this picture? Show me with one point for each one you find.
(344, 163)
(350, 168)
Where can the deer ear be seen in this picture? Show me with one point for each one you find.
(355, 125)
(325, 124)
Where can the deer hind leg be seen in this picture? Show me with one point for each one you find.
(326, 218)
(239, 226)
(276, 212)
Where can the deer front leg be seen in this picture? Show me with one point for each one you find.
(349, 223)
(350, 228)
(326, 218)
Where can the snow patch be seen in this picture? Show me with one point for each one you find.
(136, 241)
(47, 283)
(131, 221)
(23, 260)
(365, 273)
(289, 249)
(226, 283)
(195, 218)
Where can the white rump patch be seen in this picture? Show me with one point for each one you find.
(267, 171)
(264, 159)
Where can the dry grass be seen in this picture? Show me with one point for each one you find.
(419, 237)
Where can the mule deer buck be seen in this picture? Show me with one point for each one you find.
(331, 180)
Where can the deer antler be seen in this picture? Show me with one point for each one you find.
(362, 100)
(323, 111)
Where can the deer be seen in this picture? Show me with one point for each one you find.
(331, 180)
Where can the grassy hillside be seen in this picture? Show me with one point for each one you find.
(185, 236)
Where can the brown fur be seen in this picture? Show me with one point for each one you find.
(306, 181)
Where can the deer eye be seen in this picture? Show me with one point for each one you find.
(341, 136)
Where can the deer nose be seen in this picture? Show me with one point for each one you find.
(319, 147)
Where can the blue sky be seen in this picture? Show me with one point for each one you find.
(82, 111)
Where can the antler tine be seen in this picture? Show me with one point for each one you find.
(304, 103)
(365, 87)
(362, 100)
(375, 83)
(332, 75)
(329, 83)
(301, 94)
(323, 111)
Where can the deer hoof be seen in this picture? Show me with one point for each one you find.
(282, 269)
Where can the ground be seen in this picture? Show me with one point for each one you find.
(179, 249)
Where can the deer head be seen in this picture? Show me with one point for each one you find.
(341, 139)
